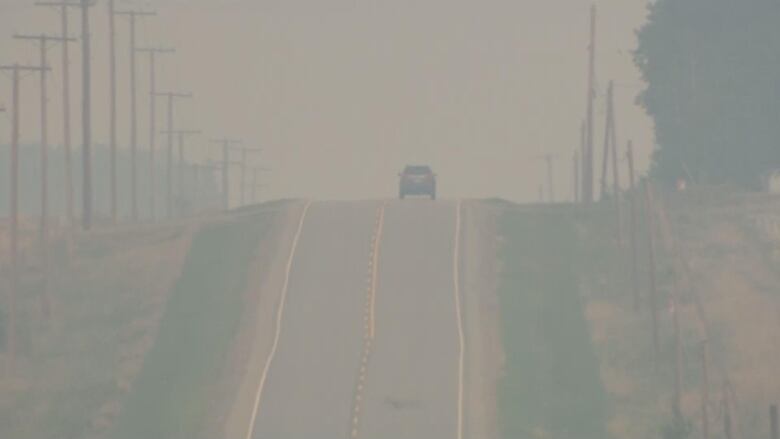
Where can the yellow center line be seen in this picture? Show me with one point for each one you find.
(369, 318)
(375, 271)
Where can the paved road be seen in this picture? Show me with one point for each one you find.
(362, 359)
(412, 384)
(311, 380)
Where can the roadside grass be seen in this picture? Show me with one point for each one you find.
(173, 394)
(551, 386)
(72, 368)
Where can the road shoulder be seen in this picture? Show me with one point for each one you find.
(255, 339)
(481, 319)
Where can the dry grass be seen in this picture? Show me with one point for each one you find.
(73, 368)
(730, 257)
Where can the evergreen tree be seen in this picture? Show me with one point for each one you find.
(713, 74)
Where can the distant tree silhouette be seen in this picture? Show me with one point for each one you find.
(713, 74)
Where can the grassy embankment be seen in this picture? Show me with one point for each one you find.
(551, 387)
(719, 250)
(106, 300)
(175, 391)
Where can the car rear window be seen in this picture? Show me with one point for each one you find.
(417, 170)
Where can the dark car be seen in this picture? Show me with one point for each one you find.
(417, 180)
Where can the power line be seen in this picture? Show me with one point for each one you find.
(169, 153)
(132, 16)
(67, 140)
(16, 71)
(226, 145)
(153, 52)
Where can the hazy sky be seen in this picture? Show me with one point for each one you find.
(343, 93)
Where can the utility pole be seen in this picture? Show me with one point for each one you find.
(581, 168)
(615, 169)
(608, 130)
(112, 112)
(255, 183)
(13, 278)
(226, 145)
(132, 16)
(550, 186)
(591, 97)
(181, 134)
(66, 135)
(633, 224)
(86, 108)
(86, 114)
(211, 168)
(244, 153)
(43, 42)
(576, 177)
(549, 159)
(705, 390)
(153, 124)
(610, 149)
(43, 229)
(650, 219)
(169, 153)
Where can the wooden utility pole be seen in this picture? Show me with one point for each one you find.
(153, 124)
(43, 229)
(633, 225)
(650, 220)
(112, 140)
(550, 187)
(210, 168)
(43, 45)
(773, 422)
(169, 153)
(66, 125)
(581, 165)
(607, 144)
(549, 160)
(86, 114)
(226, 144)
(255, 183)
(615, 169)
(678, 353)
(181, 134)
(86, 98)
(132, 16)
(576, 177)
(705, 390)
(610, 151)
(587, 183)
(727, 430)
(244, 161)
(13, 277)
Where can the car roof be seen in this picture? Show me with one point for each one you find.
(418, 169)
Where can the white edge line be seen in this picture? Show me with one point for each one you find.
(458, 312)
(279, 314)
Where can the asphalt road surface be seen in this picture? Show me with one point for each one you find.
(369, 342)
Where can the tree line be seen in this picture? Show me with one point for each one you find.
(712, 69)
